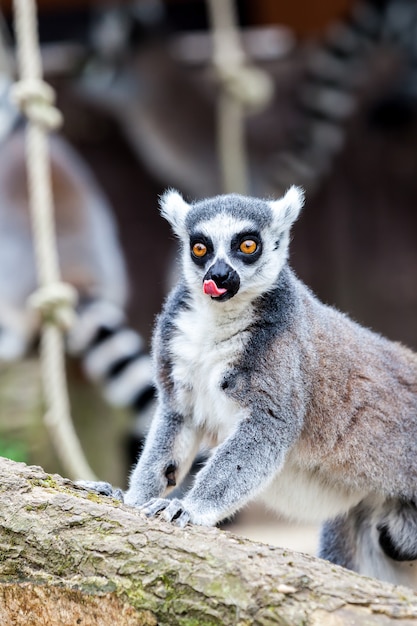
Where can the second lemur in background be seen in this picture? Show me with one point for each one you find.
(112, 354)
(337, 67)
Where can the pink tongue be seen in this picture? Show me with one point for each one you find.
(210, 288)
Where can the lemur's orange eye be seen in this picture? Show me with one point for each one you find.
(248, 246)
(199, 250)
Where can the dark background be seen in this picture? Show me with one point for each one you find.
(355, 243)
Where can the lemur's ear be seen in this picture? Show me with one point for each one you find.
(287, 208)
(174, 209)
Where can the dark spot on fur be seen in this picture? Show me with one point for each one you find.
(278, 241)
(170, 475)
(229, 382)
(238, 468)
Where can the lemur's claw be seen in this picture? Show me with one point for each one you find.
(154, 506)
(170, 510)
(102, 488)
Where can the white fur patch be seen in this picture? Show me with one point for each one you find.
(174, 209)
(206, 344)
(223, 227)
(299, 495)
(287, 208)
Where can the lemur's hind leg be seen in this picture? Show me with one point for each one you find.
(377, 539)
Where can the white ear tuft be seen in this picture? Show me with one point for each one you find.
(174, 209)
(287, 208)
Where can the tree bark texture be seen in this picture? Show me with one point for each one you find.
(69, 557)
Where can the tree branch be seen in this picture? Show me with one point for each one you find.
(70, 557)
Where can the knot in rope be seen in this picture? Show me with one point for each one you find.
(247, 84)
(55, 302)
(35, 98)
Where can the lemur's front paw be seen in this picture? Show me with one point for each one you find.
(102, 488)
(180, 512)
(170, 510)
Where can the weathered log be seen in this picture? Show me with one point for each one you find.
(70, 557)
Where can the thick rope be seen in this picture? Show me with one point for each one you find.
(243, 88)
(54, 299)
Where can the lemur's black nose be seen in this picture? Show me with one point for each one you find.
(225, 277)
(220, 272)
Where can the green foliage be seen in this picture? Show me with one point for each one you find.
(14, 450)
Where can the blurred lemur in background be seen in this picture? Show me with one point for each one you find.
(336, 68)
(112, 354)
(302, 407)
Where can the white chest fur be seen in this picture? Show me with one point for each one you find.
(204, 347)
(304, 496)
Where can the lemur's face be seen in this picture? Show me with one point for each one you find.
(231, 244)
(225, 256)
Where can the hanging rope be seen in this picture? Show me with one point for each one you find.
(5, 58)
(54, 300)
(243, 88)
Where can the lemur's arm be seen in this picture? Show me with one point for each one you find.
(171, 447)
(239, 468)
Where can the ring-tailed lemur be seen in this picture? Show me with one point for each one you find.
(335, 69)
(302, 407)
(91, 259)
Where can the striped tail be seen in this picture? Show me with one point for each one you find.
(114, 356)
(328, 94)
